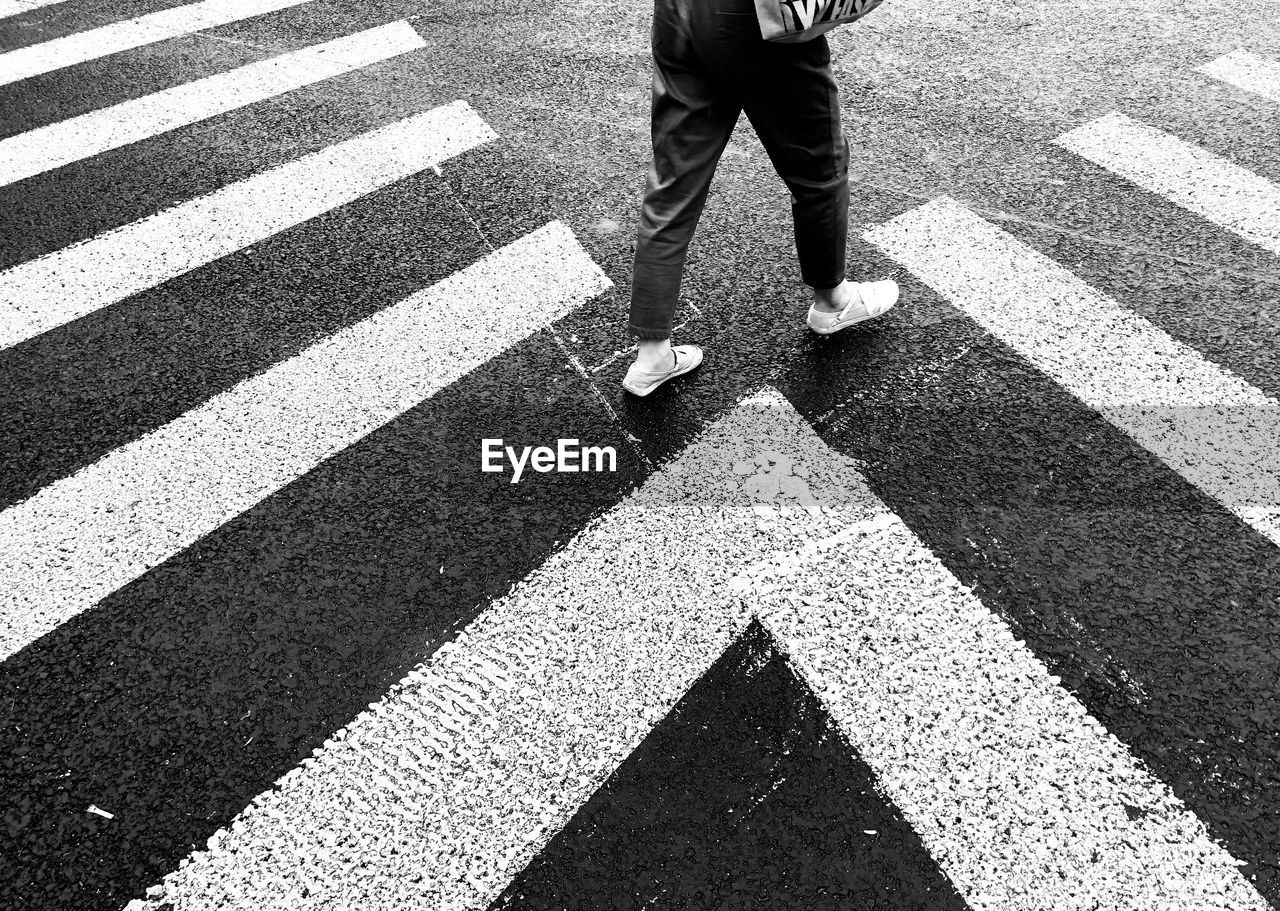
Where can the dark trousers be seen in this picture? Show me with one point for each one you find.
(709, 65)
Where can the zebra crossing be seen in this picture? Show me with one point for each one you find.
(77, 138)
(1246, 71)
(15, 7)
(80, 539)
(1205, 184)
(1212, 427)
(461, 774)
(146, 253)
(82, 47)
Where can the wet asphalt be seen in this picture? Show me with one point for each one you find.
(186, 693)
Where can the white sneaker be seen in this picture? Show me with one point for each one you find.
(874, 299)
(641, 382)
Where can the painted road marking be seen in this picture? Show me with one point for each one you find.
(54, 289)
(479, 757)
(1209, 425)
(443, 791)
(1199, 181)
(57, 144)
(81, 538)
(48, 56)
(14, 7)
(1246, 71)
(960, 721)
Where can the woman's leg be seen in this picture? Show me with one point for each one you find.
(691, 124)
(794, 107)
(791, 98)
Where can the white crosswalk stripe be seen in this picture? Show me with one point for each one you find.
(1209, 425)
(960, 721)
(54, 289)
(81, 538)
(1246, 71)
(57, 144)
(1212, 187)
(15, 7)
(48, 56)
(446, 788)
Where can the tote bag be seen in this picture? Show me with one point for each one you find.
(803, 20)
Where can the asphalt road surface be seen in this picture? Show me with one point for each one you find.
(976, 605)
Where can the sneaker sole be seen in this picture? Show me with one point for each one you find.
(642, 392)
(854, 322)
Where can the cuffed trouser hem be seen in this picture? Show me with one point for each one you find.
(826, 284)
(648, 334)
(656, 275)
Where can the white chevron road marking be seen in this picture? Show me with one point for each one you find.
(439, 794)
